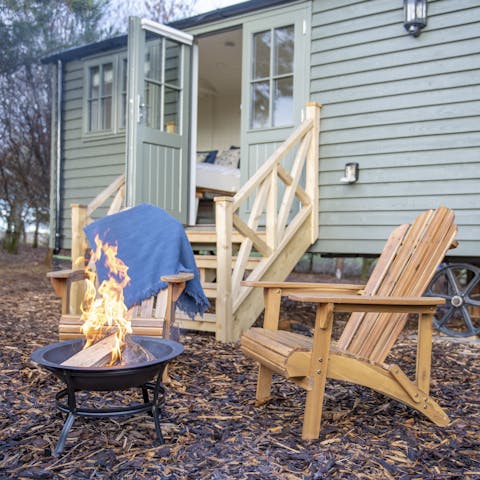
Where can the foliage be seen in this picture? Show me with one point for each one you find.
(29, 29)
(162, 11)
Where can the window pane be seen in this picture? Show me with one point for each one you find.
(107, 113)
(152, 105)
(107, 79)
(261, 54)
(123, 100)
(260, 100)
(94, 82)
(92, 115)
(172, 63)
(172, 102)
(153, 61)
(283, 56)
(283, 102)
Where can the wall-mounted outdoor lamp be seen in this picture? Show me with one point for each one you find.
(415, 16)
(351, 173)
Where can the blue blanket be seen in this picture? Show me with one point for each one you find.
(151, 243)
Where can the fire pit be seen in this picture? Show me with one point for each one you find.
(108, 379)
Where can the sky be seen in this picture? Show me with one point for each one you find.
(119, 10)
(202, 6)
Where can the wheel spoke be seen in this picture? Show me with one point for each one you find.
(452, 280)
(448, 314)
(462, 281)
(472, 301)
(468, 321)
(472, 284)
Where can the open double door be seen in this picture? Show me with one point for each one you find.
(162, 91)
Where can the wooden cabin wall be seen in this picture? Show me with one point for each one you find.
(406, 109)
(90, 163)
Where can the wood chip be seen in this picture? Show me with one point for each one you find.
(212, 428)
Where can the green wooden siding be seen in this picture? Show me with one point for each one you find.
(406, 109)
(90, 163)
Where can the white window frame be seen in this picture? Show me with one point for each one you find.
(116, 109)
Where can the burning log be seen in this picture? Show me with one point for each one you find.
(96, 355)
(135, 353)
(100, 353)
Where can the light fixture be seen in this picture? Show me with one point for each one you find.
(415, 16)
(351, 173)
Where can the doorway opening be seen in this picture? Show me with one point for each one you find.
(218, 119)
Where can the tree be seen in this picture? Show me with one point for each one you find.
(29, 29)
(162, 11)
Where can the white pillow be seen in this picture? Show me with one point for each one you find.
(229, 158)
(201, 156)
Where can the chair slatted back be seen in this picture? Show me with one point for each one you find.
(405, 268)
(152, 307)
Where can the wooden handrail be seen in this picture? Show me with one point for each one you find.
(281, 220)
(102, 197)
(81, 216)
(273, 160)
(271, 226)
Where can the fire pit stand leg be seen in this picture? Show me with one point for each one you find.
(72, 408)
(157, 403)
(152, 406)
(63, 436)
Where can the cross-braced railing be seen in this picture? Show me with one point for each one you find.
(282, 218)
(277, 230)
(81, 214)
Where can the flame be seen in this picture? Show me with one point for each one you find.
(103, 309)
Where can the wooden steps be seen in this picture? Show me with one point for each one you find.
(259, 234)
(210, 261)
(206, 235)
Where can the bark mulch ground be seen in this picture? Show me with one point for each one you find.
(212, 428)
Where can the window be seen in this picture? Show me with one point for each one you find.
(271, 81)
(105, 100)
(123, 94)
(100, 97)
(163, 84)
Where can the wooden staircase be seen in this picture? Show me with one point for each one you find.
(259, 234)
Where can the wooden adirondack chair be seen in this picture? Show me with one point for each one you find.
(402, 274)
(155, 316)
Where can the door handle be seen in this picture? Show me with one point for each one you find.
(140, 110)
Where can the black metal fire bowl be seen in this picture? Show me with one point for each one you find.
(104, 379)
(107, 378)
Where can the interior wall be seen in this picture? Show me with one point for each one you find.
(218, 122)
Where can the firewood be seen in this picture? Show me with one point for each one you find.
(135, 353)
(97, 355)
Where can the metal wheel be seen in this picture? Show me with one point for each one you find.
(459, 284)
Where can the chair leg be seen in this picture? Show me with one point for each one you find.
(264, 385)
(318, 372)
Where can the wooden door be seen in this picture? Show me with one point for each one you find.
(158, 125)
(275, 82)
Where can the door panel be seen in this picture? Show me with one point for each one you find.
(158, 142)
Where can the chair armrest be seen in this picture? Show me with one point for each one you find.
(60, 278)
(274, 291)
(66, 273)
(366, 303)
(180, 277)
(346, 288)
